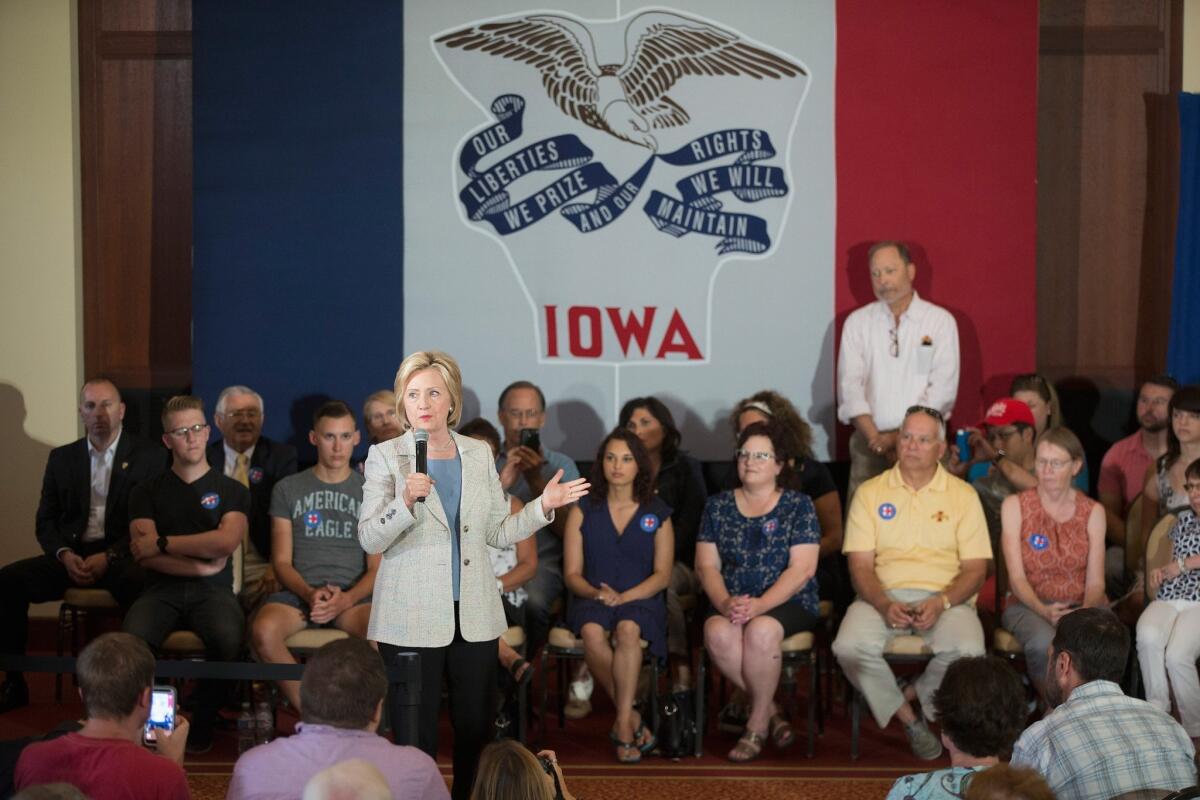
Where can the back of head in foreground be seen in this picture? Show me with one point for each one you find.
(509, 771)
(50, 791)
(1003, 782)
(354, 779)
(114, 671)
(344, 683)
(981, 708)
(1096, 646)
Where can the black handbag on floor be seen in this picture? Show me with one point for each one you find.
(677, 724)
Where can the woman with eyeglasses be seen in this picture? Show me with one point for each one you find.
(1053, 542)
(1168, 631)
(618, 549)
(756, 557)
(1163, 492)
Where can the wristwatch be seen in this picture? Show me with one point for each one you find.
(162, 545)
(946, 604)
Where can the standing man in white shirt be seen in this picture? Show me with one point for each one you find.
(899, 352)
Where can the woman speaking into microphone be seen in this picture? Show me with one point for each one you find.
(435, 593)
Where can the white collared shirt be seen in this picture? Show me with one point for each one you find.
(101, 477)
(924, 370)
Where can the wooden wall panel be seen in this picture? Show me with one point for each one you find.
(136, 147)
(1098, 62)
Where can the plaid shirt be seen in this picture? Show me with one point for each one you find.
(1100, 744)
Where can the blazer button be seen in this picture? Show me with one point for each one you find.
(466, 562)
(466, 528)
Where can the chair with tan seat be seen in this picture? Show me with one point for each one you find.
(906, 649)
(79, 605)
(564, 646)
(798, 650)
(305, 642)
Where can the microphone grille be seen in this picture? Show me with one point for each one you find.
(421, 436)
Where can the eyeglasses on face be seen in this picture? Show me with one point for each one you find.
(194, 430)
(243, 413)
(753, 455)
(1053, 463)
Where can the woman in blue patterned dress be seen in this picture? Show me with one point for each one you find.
(618, 550)
(756, 556)
(1168, 632)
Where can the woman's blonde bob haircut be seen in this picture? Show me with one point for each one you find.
(508, 771)
(446, 366)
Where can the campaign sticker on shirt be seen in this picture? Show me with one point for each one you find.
(210, 501)
(256, 474)
(887, 511)
(770, 526)
(1038, 541)
(312, 520)
(649, 523)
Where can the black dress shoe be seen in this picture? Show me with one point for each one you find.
(13, 694)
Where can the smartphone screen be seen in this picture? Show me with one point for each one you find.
(531, 438)
(162, 713)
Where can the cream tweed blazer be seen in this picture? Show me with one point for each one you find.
(413, 602)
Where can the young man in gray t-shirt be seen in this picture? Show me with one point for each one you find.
(326, 577)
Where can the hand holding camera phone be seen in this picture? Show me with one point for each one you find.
(162, 714)
(531, 438)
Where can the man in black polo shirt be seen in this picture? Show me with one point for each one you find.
(185, 525)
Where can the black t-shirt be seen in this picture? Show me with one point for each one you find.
(181, 509)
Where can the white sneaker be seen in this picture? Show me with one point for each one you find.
(579, 697)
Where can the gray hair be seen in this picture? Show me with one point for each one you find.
(230, 391)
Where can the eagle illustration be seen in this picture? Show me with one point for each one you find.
(623, 100)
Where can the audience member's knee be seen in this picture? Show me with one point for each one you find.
(763, 635)
(628, 634)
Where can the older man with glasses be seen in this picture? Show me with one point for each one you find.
(918, 549)
(895, 352)
(258, 463)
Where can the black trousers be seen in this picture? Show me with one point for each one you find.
(470, 672)
(43, 578)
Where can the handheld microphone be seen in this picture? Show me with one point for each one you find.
(422, 440)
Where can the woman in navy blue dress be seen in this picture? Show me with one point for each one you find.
(618, 549)
(756, 556)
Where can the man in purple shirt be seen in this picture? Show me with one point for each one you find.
(341, 698)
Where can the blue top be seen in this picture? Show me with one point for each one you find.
(944, 784)
(447, 475)
(754, 551)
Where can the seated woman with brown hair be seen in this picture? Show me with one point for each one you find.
(618, 549)
(508, 771)
(756, 556)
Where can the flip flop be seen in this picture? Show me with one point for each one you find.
(520, 677)
(649, 741)
(748, 748)
(621, 745)
(781, 732)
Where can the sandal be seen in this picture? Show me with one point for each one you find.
(520, 676)
(748, 748)
(624, 756)
(648, 741)
(781, 732)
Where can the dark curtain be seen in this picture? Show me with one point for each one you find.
(1183, 353)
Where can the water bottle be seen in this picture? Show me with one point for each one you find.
(264, 723)
(245, 729)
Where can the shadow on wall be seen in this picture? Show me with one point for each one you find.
(20, 476)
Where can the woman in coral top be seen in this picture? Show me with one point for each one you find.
(1053, 542)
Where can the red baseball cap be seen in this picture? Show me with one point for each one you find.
(1006, 411)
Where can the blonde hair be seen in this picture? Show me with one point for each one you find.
(508, 771)
(446, 366)
(181, 402)
(385, 396)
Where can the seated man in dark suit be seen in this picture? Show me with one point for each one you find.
(82, 523)
(257, 463)
(185, 525)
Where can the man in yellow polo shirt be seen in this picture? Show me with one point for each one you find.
(918, 548)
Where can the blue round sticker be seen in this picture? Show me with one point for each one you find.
(1038, 541)
(210, 501)
(256, 474)
(649, 523)
(312, 519)
(770, 526)
(887, 511)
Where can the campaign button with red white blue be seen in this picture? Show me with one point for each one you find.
(770, 526)
(1039, 541)
(887, 511)
(312, 519)
(649, 523)
(210, 501)
(256, 474)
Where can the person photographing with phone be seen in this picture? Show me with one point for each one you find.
(918, 549)
(106, 759)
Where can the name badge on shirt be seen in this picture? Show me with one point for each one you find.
(210, 501)
(887, 511)
(649, 523)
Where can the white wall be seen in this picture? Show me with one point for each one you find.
(40, 291)
(1191, 46)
